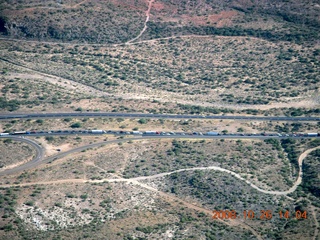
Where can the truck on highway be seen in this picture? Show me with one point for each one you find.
(4, 134)
(96, 131)
(136, 132)
(212, 133)
(151, 132)
(312, 134)
(20, 132)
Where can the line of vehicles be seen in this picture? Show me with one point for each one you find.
(158, 133)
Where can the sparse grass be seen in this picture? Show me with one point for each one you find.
(221, 192)
(209, 189)
(257, 161)
(272, 69)
(14, 152)
(219, 70)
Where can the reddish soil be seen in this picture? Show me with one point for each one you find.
(161, 9)
(158, 6)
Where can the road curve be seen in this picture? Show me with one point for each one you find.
(137, 180)
(36, 162)
(149, 115)
(37, 159)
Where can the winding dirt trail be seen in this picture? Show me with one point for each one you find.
(173, 199)
(137, 179)
(167, 197)
(145, 23)
(78, 4)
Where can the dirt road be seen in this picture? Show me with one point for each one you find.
(145, 23)
(168, 197)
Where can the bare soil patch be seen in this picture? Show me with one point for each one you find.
(14, 153)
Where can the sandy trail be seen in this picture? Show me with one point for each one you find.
(145, 23)
(108, 45)
(78, 4)
(173, 199)
(167, 197)
(137, 179)
(80, 88)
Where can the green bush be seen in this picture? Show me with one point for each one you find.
(49, 138)
(40, 121)
(8, 140)
(29, 203)
(142, 121)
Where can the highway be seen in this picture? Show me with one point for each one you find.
(149, 115)
(39, 159)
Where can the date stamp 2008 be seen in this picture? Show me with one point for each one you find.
(262, 215)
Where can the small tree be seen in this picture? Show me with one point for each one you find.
(240, 130)
(142, 121)
(40, 121)
(49, 138)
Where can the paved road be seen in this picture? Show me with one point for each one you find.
(35, 162)
(38, 160)
(148, 115)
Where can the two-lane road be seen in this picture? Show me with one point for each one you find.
(38, 160)
(40, 151)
